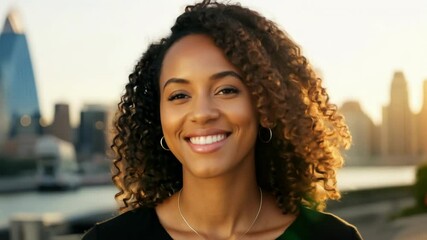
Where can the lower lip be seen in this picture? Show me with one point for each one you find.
(207, 148)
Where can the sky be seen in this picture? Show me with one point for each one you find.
(83, 50)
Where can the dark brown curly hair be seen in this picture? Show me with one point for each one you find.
(298, 166)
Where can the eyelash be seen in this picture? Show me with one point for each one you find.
(223, 91)
(228, 90)
(178, 96)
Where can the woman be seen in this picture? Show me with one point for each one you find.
(225, 132)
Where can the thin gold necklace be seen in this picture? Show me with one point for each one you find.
(198, 234)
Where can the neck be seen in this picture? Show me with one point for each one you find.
(220, 208)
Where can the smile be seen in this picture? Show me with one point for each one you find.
(205, 140)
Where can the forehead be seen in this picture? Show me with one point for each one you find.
(190, 45)
(194, 53)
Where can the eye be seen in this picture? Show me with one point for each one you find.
(178, 96)
(227, 91)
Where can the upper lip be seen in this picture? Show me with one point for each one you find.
(205, 132)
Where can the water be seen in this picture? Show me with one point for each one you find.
(357, 178)
(70, 204)
(92, 200)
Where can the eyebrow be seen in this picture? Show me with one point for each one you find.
(223, 74)
(215, 76)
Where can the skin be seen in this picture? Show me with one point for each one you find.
(201, 95)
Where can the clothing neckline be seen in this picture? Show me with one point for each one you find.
(285, 232)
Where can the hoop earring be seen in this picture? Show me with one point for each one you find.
(270, 135)
(163, 146)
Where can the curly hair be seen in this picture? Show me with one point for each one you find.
(298, 166)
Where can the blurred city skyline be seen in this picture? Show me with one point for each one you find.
(82, 52)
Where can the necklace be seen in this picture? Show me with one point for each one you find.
(198, 234)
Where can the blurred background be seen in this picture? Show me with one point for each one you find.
(64, 64)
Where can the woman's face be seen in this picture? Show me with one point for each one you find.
(207, 116)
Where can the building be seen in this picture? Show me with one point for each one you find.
(4, 120)
(422, 125)
(92, 132)
(61, 126)
(18, 92)
(398, 132)
(362, 130)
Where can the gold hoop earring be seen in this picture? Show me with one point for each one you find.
(270, 135)
(161, 144)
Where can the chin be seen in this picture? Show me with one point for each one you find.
(206, 173)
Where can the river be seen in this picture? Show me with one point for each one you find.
(91, 200)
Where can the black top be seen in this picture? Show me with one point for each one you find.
(144, 224)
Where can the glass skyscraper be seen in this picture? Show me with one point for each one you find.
(19, 105)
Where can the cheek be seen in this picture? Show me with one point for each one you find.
(244, 115)
(171, 120)
(245, 110)
(166, 118)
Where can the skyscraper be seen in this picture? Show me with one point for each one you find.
(422, 125)
(398, 134)
(61, 126)
(18, 92)
(362, 130)
(4, 120)
(93, 130)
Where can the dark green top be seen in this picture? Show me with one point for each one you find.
(143, 223)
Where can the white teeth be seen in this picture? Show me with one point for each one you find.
(207, 139)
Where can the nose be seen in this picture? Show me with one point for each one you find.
(204, 110)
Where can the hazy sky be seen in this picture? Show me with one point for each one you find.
(83, 50)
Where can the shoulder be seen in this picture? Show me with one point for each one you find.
(129, 225)
(322, 226)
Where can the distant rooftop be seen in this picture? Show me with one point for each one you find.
(13, 23)
(95, 107)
